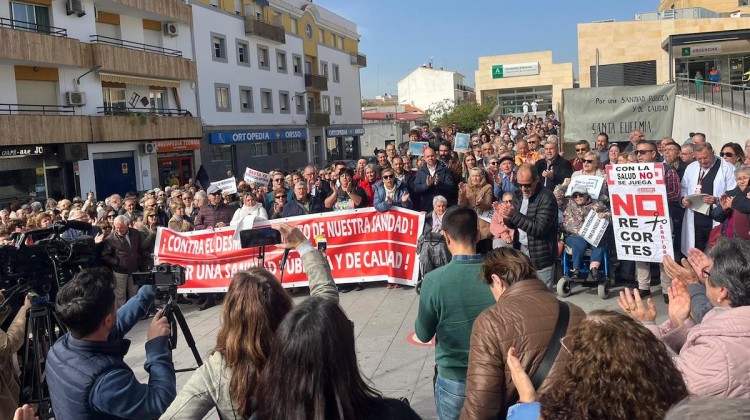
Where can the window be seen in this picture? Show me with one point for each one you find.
(219, 47)
(221, 153)
(337, 105)
(266, 101)
(281, 61)
(29, 16)
(263, 59)
(324, 69)
(223, 100)
(294, 26)
(325, 104)
(744, 2)
(259, 149)
(299, 99)
(284, 107)
(297, 64)
(335, 73)
(158, 99)
(243, 53)
(322, 37)
(114, 100)
(246, 99)
(340, 42)
(639, 73)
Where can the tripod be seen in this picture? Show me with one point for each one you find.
(43, 328)
(175, 317)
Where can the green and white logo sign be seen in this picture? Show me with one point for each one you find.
(501, 71)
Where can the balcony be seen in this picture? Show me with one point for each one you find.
(42, 124)
(127, 57)
(318, 119)
(31, 42)
(264, 29)
(316, 83)
(358, 59)
(131, 124)
(175, 10)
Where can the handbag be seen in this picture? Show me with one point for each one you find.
(550, 355)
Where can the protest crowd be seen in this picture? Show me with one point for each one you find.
(501, 206)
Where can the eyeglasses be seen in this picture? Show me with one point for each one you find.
(742, 178)
(726, 154)
(282, 197)
(387, 176)
(578, 195)
(589, 161)
(178, 196)
(580, 150)
(643, 152)
(278, 180)
(525, 185)
(706, 273)
(110, 216)
(493, 163)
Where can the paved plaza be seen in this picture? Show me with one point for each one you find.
(384, 323)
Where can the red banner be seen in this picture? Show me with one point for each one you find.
(363, 245)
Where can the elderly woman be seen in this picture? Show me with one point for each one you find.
(733, 154)
(524, 317)
(575, 214)
(734, 210)
(477, 194)
(431, 248)
(591, 167)
(178, 222)
(367, 184)
(712, 355)
(606, 376)
(502, 235)
(250, 207)
(391, 192)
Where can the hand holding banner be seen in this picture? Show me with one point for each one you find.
(256, 177)
(228, 185)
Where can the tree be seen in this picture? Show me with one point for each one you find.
(469, 116)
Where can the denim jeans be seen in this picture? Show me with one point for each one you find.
(449, 397)
(579, 245)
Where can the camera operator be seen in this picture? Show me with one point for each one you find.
(123, 253)
(10, 342)
(86, 373)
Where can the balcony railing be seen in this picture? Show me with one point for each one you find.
(319, 119)
(358, 59)
(33, 27)
(316, 82)
(734, 97)
(264, 29)
(16, 109)
(135, 112)
(98, 39)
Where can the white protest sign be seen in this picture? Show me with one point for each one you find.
(593, 185)
(640, 215)
(256, 177)
(228, 185)
(486, 215)
(593, 228)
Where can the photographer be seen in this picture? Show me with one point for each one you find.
(10, 342)
(86, 373)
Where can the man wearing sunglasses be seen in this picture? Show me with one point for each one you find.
(582, 147)
(533, 215)
(278, 180)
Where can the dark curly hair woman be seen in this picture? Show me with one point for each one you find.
(617, 370)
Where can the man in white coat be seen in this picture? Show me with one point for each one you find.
(706, 175)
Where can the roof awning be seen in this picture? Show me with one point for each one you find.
(135, 80)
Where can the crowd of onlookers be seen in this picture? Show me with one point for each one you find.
(494, 216)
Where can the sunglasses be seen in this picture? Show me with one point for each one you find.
(151, 215)
(726, 154)
(278, 180)
(578, 195)
(588, 161)
(387, 176)
(580, 150)
(110, 216)
(525, 185)
(283, 197)
(643, 152)
(493, 163)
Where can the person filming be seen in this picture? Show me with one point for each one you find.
(86, 372)
(10, 342)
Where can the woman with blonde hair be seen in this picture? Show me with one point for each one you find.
(178, 222)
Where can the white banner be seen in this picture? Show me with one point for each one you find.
(593, 185)
(486, 215)
(640, 214)
(593, 228)
(228, 185)
(256, 177)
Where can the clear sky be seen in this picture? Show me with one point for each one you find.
(399, 35)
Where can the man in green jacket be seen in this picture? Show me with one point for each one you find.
(452, 297)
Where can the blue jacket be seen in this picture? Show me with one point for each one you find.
(445, 187)
(380, 202)
(90, 380)
(505, 187)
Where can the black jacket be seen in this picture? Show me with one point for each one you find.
(539, 223)
(444, 187)
(560, 167)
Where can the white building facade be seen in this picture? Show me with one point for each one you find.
(426, 87)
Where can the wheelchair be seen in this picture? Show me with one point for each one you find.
(565, 284)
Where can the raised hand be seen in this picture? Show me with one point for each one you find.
(701, 263)
(630, 302)
(526, 391)
(677, 272)
(679, 304)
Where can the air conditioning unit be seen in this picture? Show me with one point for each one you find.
(75, 98)
(170, 29)
(75, 7)
(149, 148)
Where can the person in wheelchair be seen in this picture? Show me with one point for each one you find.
(575, 214)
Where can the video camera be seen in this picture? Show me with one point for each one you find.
(40, 260)
(162, 276)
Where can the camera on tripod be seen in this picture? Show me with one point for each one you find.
(163, 276)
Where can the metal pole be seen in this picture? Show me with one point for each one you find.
(597, 67)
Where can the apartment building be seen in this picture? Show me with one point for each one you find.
(426, 87)
(278, 84)
(96, 95)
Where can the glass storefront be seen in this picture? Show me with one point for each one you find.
(731, 67)
(511, 100)
(176, 169)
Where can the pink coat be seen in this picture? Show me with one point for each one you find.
(713, 355)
